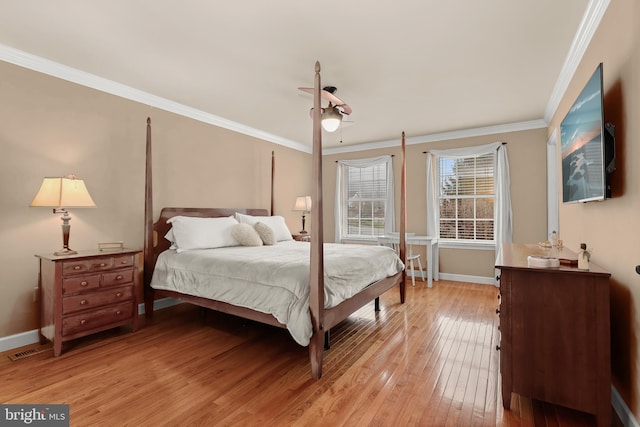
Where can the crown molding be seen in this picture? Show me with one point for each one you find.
(55, 69)
(588, 26)
(442, 136)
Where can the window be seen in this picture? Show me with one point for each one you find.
(466, 197)
(364, 199)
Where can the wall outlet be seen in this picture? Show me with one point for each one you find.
(35, 294)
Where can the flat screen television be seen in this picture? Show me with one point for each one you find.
(587, 145)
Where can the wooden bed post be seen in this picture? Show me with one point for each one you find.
(403, 220)
(316, 294)
(273, 173)
(148, 229)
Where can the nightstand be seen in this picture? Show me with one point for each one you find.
(87, 293)
(302, 237)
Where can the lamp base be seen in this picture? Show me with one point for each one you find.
(65, 252)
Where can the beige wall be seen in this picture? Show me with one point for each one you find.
(527, 162)
(50, 127)
(612, 227)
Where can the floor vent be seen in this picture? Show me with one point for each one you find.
(32, 351)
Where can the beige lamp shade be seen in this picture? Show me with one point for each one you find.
(303, 204)
(64, 192)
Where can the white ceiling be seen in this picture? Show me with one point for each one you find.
(421, 66)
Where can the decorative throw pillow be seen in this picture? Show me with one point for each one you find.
(266, 233)
(246, 235)
(276, 223)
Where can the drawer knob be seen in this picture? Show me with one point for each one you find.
(82, 322)
(76, 267)
(119, 277)
(497, 348)
(83, 302)
(102, 264)
(118, 312)
(124, 261)
(84, 283)
(497, 311)
(119, 294)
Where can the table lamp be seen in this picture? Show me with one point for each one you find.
(303, 204)
(60, 193)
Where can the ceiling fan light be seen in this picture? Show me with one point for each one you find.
(331, 119)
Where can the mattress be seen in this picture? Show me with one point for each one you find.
(274, 279)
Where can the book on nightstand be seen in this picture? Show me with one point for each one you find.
(538, 261)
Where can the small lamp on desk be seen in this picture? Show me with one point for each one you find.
(60, 193)
(303, 204)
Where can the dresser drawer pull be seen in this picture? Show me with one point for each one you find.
(84, 283)
(118, 312)
(124, 261)
(83, 321)
(76, 267)
(83, 302)
(119, 277)
(119, 294)
(497, 311)
(102, 264)
(497, 348)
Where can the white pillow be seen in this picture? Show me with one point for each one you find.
(246, 235)
(170, 238)
(276, 223)
(265, 233)
(202, 233)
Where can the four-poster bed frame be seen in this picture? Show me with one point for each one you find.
(322, 318)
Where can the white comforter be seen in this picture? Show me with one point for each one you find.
(274, 279)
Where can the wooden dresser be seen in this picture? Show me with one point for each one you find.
(86, 293)
(555, 337)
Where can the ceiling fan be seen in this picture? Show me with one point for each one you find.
(333, 114)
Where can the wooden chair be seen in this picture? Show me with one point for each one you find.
(411, 257)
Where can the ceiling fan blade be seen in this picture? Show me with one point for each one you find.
(346, 110)
(329, 97)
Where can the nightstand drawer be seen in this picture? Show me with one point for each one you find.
(87, 266)
(117, 277)
(123, 261)
(96, 299)
(96, 318)
(77, 284)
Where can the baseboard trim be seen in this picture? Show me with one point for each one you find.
(22, 339)
(624, 413)
(471, 279)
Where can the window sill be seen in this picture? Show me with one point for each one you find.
(450, 244)
(360, 241)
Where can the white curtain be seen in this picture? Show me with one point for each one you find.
(502, 209)
(340, 205)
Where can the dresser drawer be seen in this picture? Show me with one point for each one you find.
(96, 299)
(119, 277)
(73, 285)
(96, 318)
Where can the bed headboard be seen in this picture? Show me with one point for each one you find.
(160, 228)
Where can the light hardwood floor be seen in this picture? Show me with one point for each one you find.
(429, 362)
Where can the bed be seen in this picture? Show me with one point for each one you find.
(320, 292)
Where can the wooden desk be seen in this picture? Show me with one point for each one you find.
(433, 272)
(555, 337)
